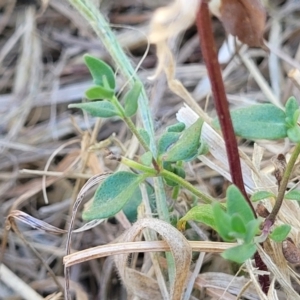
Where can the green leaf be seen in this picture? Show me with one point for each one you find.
(292, 195)
(202, 214)
(112, 195)
(186, 148)
(237, 224)
(252, 229)
(223, 222)
(146, 158)
(280, 233)
(264, 121)
(98, 92)
(261, 195)
(237, 204)
(101, 109)
(171, 168)
(294, 133)
(292, 110)
(240, 253)
(130, 208)
(131, 99)
(99, 71)
(166, 140)
(178, 170)
(296, 116)
(144, 134)
(178, 127)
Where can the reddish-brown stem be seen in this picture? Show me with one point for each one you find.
(210, 57)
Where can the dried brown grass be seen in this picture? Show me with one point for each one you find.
(42, 71)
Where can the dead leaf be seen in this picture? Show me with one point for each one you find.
(244, 19)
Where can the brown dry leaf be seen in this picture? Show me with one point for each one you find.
(244, 19)
(180, 250)
(33, 222)
(144, 287)
(290, 251)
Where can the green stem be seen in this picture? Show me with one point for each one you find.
(129, 123)
(175, 192)
(93, 16)
(137, 166)
(205, 198)
(283, 185)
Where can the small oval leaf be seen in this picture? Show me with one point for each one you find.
(237, 204)
(291, 108)
(186, 148)
(146, 158)
(223, 223)
(292, 195)
(131, 99)
(237, 224)
(261, 195)
(112, 195)
(178, 127)
(101, 109)
(252, 229)
(100, 70)
(240, 253)
(98, 92)
(166, 140)
(264, 121)
(294, 133)
(280, 233)
(201, 213)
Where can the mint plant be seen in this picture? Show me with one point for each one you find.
(233, 220)
(177, 145)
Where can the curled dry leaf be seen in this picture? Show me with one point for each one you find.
(290, 251)
(244, 19)
(262, 211)
(179, 247)
(32, 222)
(170, 20)
(279, 163)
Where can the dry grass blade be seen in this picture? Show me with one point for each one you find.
(118, 248)
(17, 284)
(42, 71)
(179, 247)
(31, 221)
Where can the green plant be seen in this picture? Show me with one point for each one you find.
(165, 160)
(238, 222)
(234, 220)
(176, 145)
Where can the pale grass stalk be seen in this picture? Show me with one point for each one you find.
(17, 284)
(133, 247)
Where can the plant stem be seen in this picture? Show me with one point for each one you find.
(135, 165)
(282, 188)
(169, 175)
(129, 123)
(210, 57)
(133, 129)
(94, 17)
